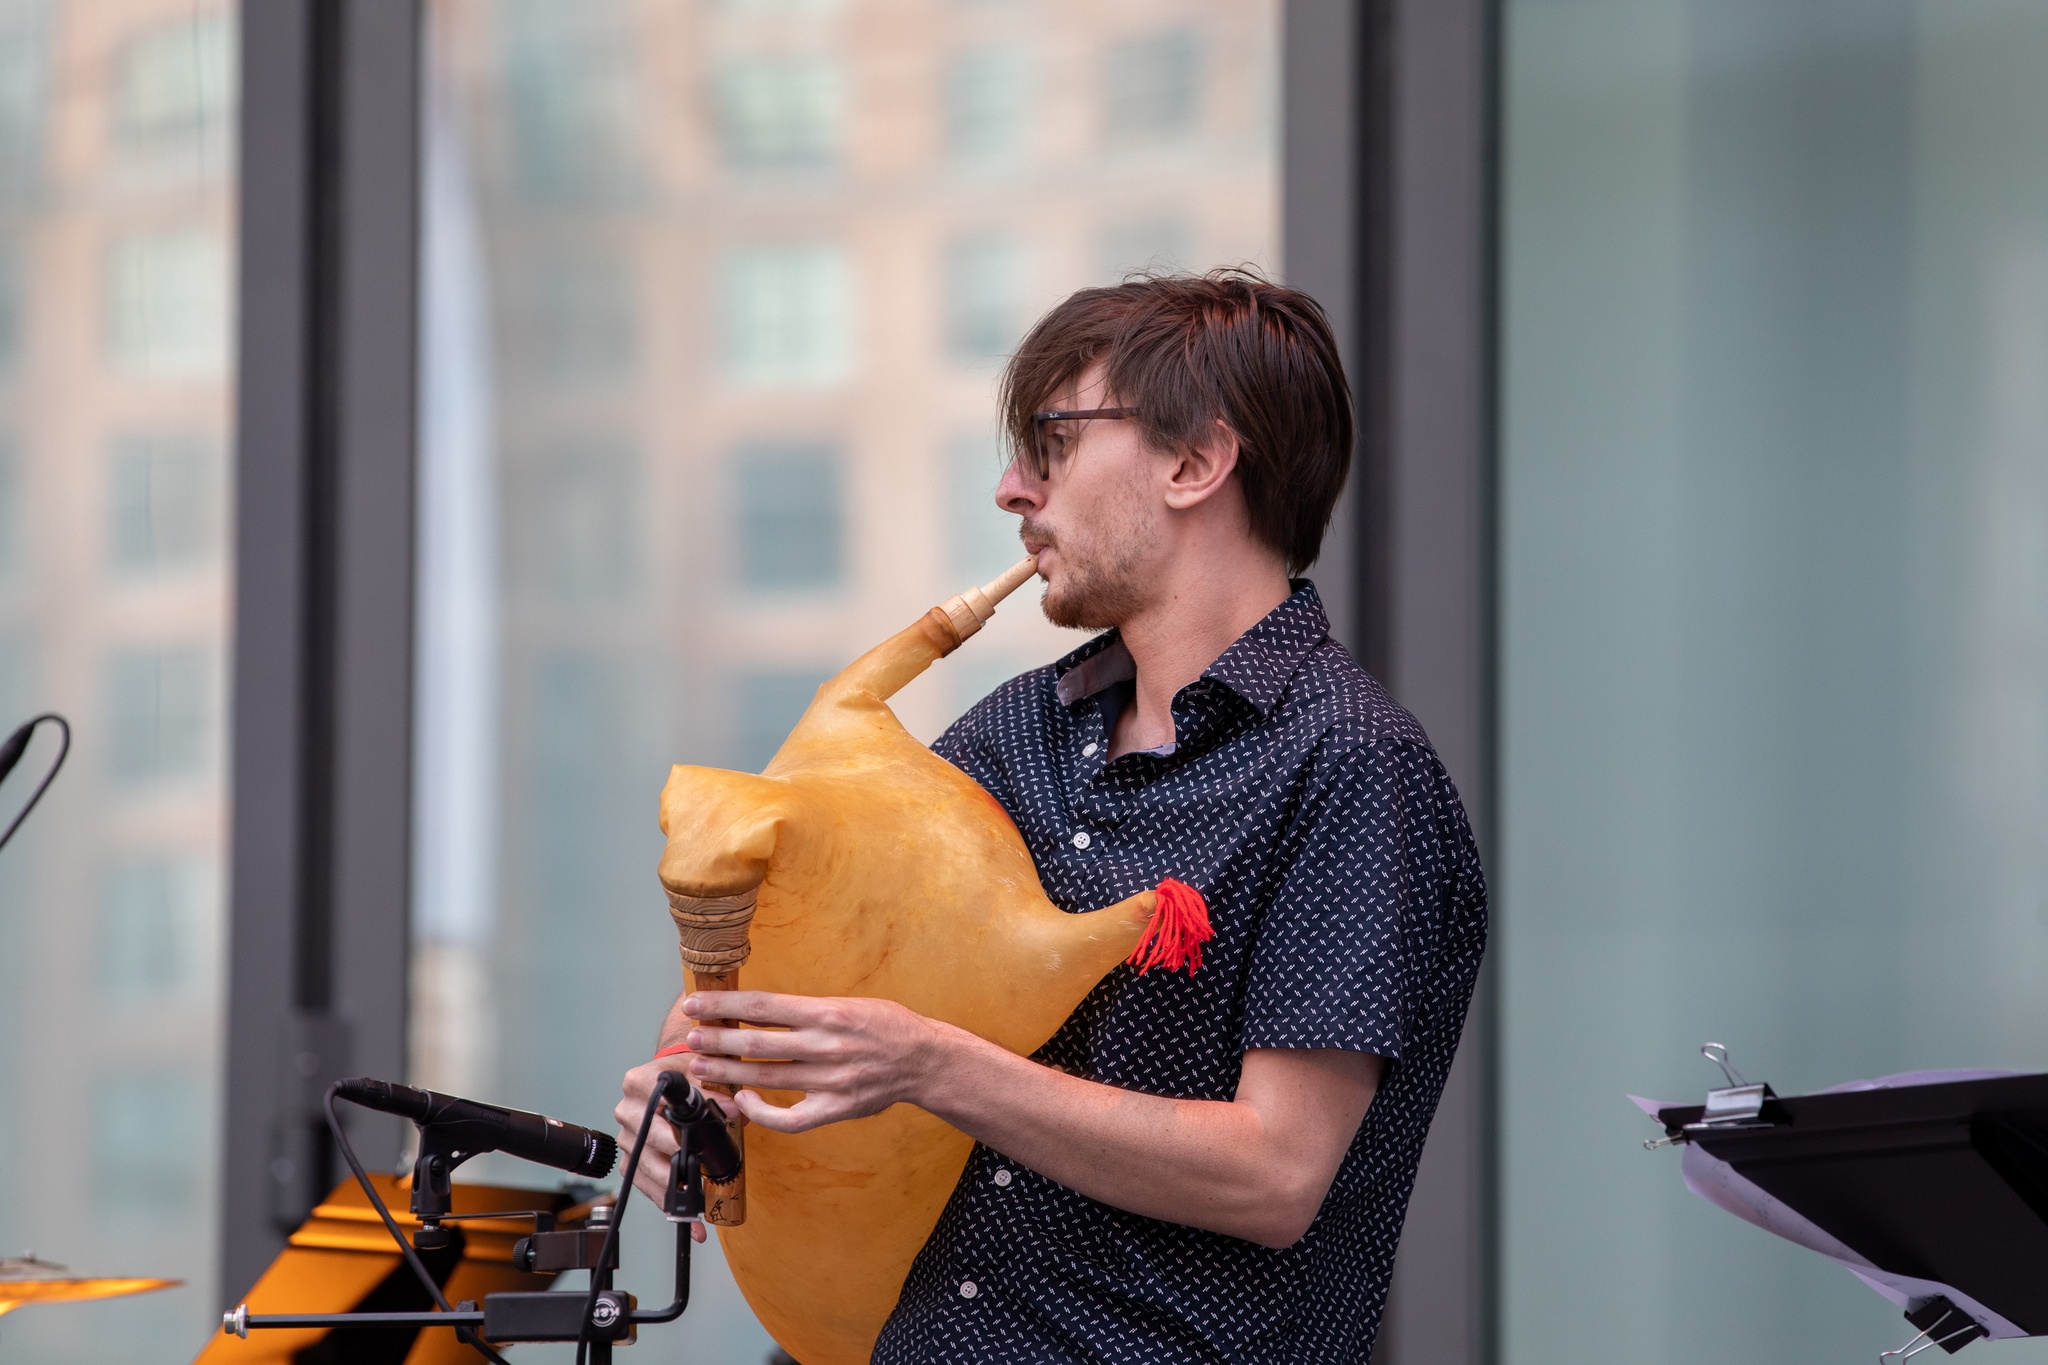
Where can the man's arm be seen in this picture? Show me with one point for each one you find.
(1256, 1167)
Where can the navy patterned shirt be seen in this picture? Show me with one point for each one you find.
(1349, 911)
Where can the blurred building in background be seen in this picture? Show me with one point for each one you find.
(1701, 349)
(117, 158)
(714, 299)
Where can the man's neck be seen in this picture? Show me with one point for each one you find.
(1174, 640)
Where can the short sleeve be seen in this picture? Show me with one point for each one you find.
(957, 743)
(1340, 949)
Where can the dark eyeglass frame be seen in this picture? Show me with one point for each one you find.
(1041, 459)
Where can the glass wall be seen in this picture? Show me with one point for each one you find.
(1775, 611)
(116, 213)
(715, 296)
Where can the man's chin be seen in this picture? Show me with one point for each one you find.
(1076, 610)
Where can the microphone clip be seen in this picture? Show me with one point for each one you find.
(433, 1185)
(704, 1146)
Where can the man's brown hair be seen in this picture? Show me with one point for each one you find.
(1188, 350)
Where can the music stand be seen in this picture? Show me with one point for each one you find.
(1931, 1187)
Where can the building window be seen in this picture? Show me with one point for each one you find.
(11, 548)
(159, 713)
(584, 323)
(577, 513)
(983, 295)
(986, 91)
(806, 9)
(981, 536)
(1152, 86)
(163, 502)
(1155, 244)
(779, 113)
(24, 96)
(791, 522)
(573, 99)
(155, 923)
(174, 82)
(770, 704)
(788, 315)
(11, 308)
(167, 304)
(587, 785)
(149, 1138)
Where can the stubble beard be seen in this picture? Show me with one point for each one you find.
(1095, 591)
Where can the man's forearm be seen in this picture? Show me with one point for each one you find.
(1206, 1163)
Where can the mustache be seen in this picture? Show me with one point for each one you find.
(1032, 530)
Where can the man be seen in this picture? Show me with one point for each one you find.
(1211, 1167)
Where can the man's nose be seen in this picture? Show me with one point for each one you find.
(1014, 494)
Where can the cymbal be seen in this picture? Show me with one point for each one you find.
(14, 1293)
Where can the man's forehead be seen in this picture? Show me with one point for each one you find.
(1089, 380)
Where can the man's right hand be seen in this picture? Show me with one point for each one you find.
(651, 1179)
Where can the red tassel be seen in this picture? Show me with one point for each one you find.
(1179, 928)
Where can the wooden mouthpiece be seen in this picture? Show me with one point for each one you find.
(969, 611)
(712, 934)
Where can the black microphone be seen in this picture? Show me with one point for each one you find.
(473, 1127)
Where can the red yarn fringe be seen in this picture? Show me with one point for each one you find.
(1179, 928)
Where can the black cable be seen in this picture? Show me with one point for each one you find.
(63, 752)
(412, 1257)
(611, 1238)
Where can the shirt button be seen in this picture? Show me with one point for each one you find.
(1088, 749)
(1081, 839)
(1003, 1179)
(968, 1289)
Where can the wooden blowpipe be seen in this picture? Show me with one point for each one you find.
(969, 611)
(713, 931)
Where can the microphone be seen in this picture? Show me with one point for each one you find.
(472, 1127)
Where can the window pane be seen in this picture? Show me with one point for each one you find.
(155, 921)
(985, 292)
(575, 527)
(576, 318)
(163, 501)
(986, 93)
(789, 315)
(789, 522)
(714, 297)
(167, 304)
(159, 713)
(117, 208)
(779, 112)
(1152, 85)
(769, 704)
(1775, 613)
(174, 80)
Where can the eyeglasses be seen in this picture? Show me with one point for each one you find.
(1046, 446)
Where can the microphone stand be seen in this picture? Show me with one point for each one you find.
(601, 1316)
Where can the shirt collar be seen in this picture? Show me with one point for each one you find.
(1256, 666)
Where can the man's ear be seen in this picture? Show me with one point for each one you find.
(1203, 467)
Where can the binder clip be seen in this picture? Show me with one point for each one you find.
(1941, 1324)
(1738, 1104)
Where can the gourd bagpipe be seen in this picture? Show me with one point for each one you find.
(860, 863)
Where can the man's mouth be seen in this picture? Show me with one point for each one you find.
(1035, 540)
